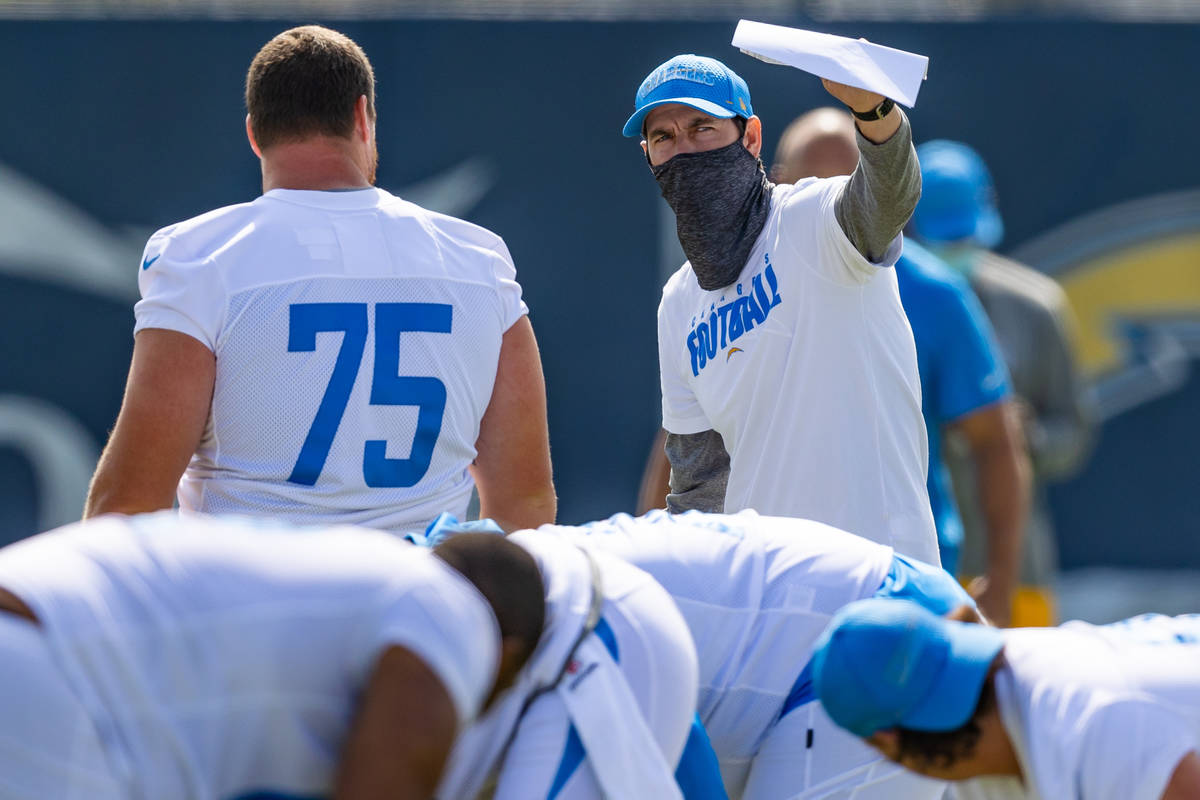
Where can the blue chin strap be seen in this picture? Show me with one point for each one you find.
(446, 525)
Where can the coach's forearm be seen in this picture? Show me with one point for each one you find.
(882, 192)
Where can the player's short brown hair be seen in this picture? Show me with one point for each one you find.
(944, 749)
(305, 82)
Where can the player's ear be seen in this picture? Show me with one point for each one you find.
(363, 124)
(752, 139)
(250, 135)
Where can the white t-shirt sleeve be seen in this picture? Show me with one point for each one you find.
(178, 293)
(1130, 748)
(809, 225)
(512, 305)
(681, 411)
(449, 625)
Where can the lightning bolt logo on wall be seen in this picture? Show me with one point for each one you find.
(1132, 275)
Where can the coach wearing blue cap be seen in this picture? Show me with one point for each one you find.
(789, 374)
(1081, 711)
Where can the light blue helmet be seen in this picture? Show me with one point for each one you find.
(957, 196)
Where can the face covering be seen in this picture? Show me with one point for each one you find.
(721, 199)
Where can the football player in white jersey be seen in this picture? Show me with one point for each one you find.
(191, 657)
(605, 705)
(1088, 712)
(203, 658)
(328, 353)
(756, 592)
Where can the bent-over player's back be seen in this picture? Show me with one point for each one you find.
(357, 338)
(756, 592)
(222, 656)
(1098, 712)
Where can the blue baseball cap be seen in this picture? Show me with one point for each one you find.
(697, 81)
(957, 196)
(884, 663)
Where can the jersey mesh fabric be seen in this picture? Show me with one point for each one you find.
(334, 317)
(267, 399)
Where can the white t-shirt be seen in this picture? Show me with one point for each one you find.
(357, 337)
(807, 368)
(223, 656)
(1097, 712)
(756, 593)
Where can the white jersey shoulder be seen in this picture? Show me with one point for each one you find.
(227, 655)
(356, 337)
(1099, 712)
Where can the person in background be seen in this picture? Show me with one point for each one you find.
(965, 390)
(958, 219)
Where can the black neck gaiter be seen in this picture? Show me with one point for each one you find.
(721, 199)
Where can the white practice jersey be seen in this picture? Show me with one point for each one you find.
(1097, 712)
(356, 336)
(220, 657)
(807, 368)
(656, 660)
(756, 593)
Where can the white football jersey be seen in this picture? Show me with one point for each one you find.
(807, 368)
(356, 337)
(656, 660)
(219, 657)
(756, 592)
(1097, 712)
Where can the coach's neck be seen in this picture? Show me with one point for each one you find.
(321, 162)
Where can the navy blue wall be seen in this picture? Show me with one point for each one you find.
(141, 124)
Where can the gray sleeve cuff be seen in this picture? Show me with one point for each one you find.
(699, 471)
(882, 192)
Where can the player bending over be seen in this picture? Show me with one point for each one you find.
(604, 706)
(756, 593)
(1080, 711)
(190, 657)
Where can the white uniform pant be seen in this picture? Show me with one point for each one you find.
(806, 756)
(49, 747)
(654, 652)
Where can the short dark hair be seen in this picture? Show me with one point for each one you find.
(943, 749)
(508, 578)
(305, 82)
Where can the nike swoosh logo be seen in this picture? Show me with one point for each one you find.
(147, 262)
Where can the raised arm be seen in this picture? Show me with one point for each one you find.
(512, 467)
(167, 400)
(883, 190)
(401, 735)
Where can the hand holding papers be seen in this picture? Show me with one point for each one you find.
(893, 73)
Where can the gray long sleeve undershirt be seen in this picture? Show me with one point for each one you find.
(875, 206)
(882, 193)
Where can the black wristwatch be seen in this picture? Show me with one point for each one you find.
(878, 112)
